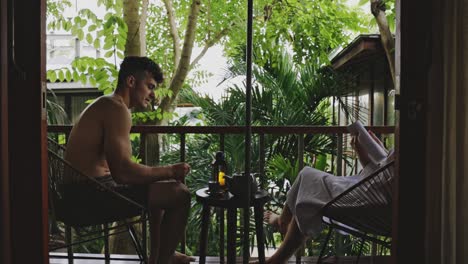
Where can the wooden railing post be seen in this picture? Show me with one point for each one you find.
(182, 147)
(300, 149)
(300, 157)
(339, 155)
(262, 160)
(220, 211)
(142, 153)
(183, 243)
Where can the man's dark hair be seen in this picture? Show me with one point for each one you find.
(139, 67)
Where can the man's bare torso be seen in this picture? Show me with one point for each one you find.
(85, 147)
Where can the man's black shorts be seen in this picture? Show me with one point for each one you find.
(91, 199)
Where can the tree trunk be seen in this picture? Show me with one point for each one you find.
(173, 31)
(135, 46)
(143, 17)
(136, 23)
(184, 62)
(388, 42)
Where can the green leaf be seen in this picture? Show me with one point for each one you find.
(68, 75)
(107, 16)
(80, 34)
(120, 55)
(89, 38)
(67, 26)
(363, 2)
(92, 81)
(83, 22)
(97, 43)
(120, 45)
(52, 76)
(321, 162)
(108, 44)
(91, 28)
(61, 76)
(83, 78)
(74, 30)
(100, 33)
(109, 53)
(77, 20)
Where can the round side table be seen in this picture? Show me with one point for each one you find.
(231, 203)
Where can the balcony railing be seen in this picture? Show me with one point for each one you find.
(222, 131)
(257, 131)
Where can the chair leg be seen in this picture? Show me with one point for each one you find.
(68, 240)
(106, 244)
(144, 236)
(136, 244)
(322, 251)
(299, 254)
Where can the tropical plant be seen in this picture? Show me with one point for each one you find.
(284, 93)
(56, 115)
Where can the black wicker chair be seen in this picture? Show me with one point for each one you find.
(364, 210)
(79, 211)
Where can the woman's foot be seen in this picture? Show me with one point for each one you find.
(276, 222)
(270, 260)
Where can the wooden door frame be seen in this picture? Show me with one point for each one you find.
(23, 136)
(23, 133)
(5, 246)
(412, 67)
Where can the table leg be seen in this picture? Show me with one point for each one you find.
(204, 233)
(231, 235)
(258, 210)
(221, 235)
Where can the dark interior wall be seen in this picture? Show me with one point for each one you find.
(414, 68)
(26, 132)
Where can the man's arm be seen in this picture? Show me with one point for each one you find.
(117, 149)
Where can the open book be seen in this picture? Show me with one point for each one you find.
(376, 152)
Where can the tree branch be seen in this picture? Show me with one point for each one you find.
(173, 31)
(209, 44)
(184, 63)
(386, 37)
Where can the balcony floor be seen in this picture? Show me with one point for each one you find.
(215, 260)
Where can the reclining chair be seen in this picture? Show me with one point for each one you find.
(364, 210)
(77, 211)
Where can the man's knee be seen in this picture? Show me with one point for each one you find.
(183, 194)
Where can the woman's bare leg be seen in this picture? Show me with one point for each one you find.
(293, 240)
(281, 222)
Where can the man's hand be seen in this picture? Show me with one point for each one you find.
(179, 171)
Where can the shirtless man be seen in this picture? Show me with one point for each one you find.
(99, 146)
